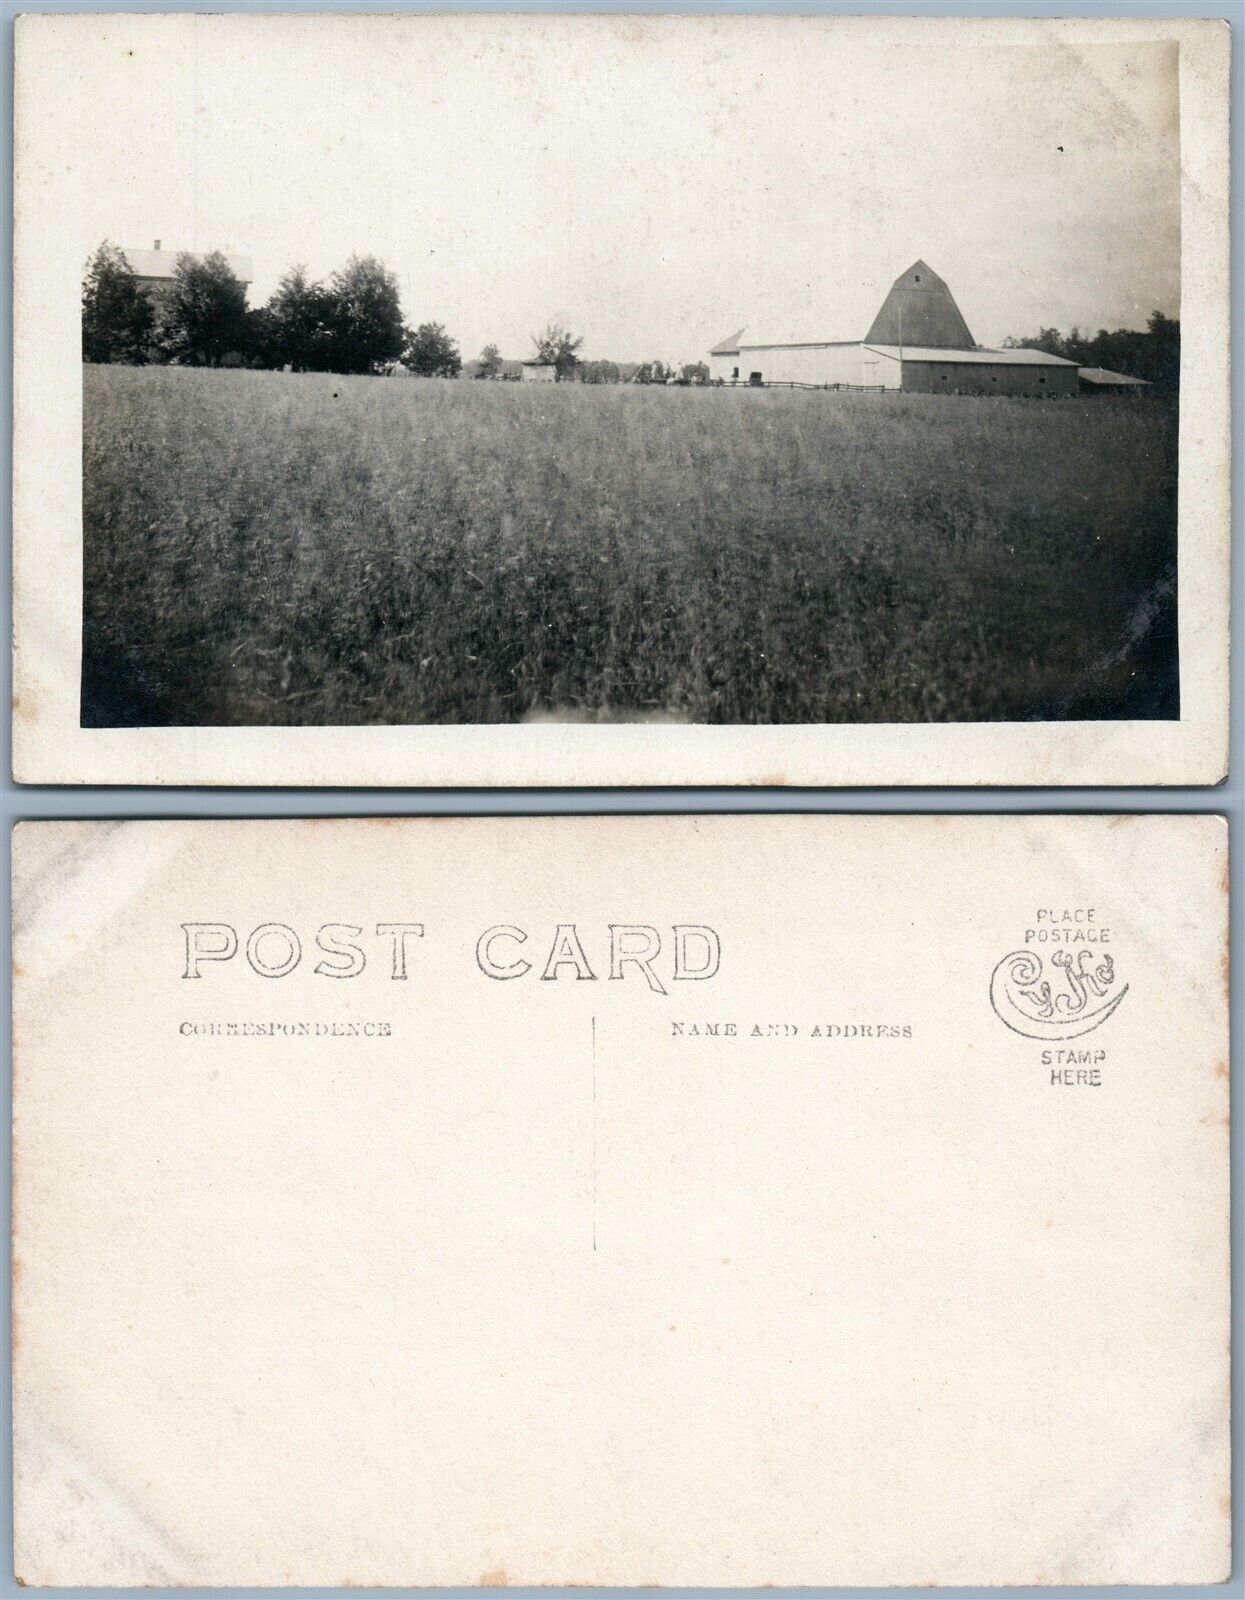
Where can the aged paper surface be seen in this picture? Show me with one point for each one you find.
(612, 616)
(742, 1201)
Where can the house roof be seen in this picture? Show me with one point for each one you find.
(1103, 376)
(728, 346)
(920, 310)
(1006, 358)
(163, 263)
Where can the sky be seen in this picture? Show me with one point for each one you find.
(652, 183)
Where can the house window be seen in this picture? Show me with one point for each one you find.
(734, 372)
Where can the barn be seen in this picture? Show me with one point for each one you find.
(919, 343)
(724, 359)
(539, 372)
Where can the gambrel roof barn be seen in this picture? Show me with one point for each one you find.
(919, 341)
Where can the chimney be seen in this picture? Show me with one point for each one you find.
(157, 244)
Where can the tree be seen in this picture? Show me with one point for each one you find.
(695, 372)
(488, 364)
(262, 347)
(557, 347)
(431, 353)
(365, 316)
(598, 372)
(204, 316)
(302, 323)
(1164, 351)
(117, 318)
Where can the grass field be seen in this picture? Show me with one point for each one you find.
(280, 548)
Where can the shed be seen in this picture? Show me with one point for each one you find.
(539, 372)
(1099, 380)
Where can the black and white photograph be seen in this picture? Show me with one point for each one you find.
(484, 371)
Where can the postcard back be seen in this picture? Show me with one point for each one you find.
(724, 1201)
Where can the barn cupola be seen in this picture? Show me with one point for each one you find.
(920, 310)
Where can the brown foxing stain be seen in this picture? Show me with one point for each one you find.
(772, 780)
(1221, 1069)
(494, 1579)
(24, 708)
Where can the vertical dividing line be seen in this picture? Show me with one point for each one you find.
(594, 1133)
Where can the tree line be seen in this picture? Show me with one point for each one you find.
(351, 324)
(1152, 353)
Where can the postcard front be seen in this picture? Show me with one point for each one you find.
(693, 1202)
(497, 400)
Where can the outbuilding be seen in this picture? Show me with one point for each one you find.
(539, 372)
(1099, 380)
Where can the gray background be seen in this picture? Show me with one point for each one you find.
(17, 803)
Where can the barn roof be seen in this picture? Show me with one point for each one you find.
(163, 263)
(976, 357)
(1112, 379)
(728, 346)
(920, 310)
(759, 343)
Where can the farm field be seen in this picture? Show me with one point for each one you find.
(275, 548)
